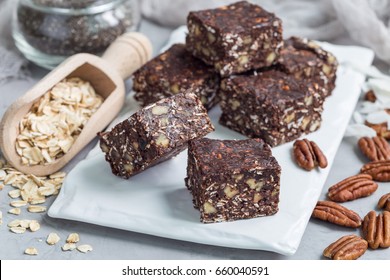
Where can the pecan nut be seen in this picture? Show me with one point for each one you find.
(370, 96)
(308, 155)
(379, 170)
(349, 247)
(380, 128)
(384, 202)
(352, 188)
(376, 229)
(375, 148)
(335, 213)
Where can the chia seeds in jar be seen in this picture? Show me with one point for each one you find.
(48, 31)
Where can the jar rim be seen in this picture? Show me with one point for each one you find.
(98, 6)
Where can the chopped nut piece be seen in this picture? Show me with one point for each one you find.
(68, 247)
(160, 110)
(31, 251)
(14, 211)
(230, 192)
(84, 248)
(36, 209)
(52, 238)
(73, 238)
(162, 140)
(208, 208)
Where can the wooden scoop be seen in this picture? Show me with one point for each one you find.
(125, 55)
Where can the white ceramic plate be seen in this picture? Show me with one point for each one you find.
(156, 202)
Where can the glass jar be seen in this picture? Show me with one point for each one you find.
(48, 31)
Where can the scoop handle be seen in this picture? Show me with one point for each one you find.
(128, 53)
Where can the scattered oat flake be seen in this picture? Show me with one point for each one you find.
(68, 247)
(59, 174)
(1, 186)
(34, 226)
(2, 174)
(31, 251)
(36, 209)
(73, 238)
(38, 201)
(18, 230)
(10, 178)
(84, 248)
(47, 191)
(18, 203)
(14, 193)
(52, 238)
(14, 223)
(15, 211)
(25, 223)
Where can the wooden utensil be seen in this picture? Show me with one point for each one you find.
(106, 74)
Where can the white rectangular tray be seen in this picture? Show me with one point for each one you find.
(156, 202)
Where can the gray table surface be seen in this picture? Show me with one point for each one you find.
(111, 243)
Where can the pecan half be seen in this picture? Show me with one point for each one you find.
(381, 129)
(379, 170)
(375, 148)
(335, 213)
(352, 188)
(308, 155)
(370, 96)
(349, 247)
(376, 229)
(384, 202)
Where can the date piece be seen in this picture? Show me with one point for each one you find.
(232, 179)
(154, 134)
(271, 105)
(174, 71)
(235, 38)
